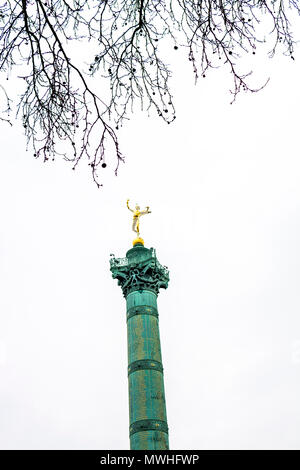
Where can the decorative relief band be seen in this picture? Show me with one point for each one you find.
(148, 425)
(140, 288)
(142, 310)
(145, 364)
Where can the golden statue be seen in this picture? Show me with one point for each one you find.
(137, 213)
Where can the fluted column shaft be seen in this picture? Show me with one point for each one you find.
(147, 407)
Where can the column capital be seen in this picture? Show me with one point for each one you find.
(139, 270)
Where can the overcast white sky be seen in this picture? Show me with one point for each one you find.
(223, 185)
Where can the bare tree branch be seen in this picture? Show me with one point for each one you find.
(63, 116)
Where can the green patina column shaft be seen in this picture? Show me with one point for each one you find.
(140, 276)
